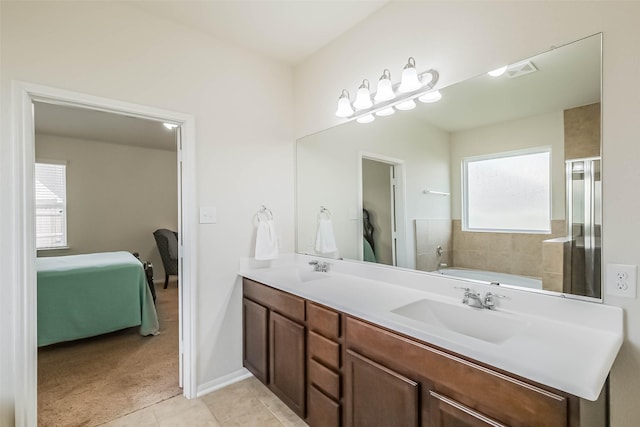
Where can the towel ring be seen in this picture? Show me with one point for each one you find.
(324, 211)
(264, 213)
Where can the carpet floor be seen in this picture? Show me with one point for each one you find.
(91, 381)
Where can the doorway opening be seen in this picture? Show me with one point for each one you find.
(382, 200)
(25, 95)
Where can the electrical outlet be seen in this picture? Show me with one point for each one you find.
(621, 280)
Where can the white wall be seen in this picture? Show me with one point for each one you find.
(545, 130)
(327, 174)
(464, 39)
(243, 109)
(117, 196)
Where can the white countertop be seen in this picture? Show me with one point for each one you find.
(566, 344)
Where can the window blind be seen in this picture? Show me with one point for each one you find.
(51, 205)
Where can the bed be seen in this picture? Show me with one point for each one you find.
(81, 296)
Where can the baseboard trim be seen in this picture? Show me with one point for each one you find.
(224, 381)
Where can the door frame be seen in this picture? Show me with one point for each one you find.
(22, 241)
(402, 241)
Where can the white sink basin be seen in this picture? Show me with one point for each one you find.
(487, 325)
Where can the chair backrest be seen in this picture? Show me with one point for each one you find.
(167, 242)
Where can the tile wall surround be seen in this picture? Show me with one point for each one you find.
(514, 253)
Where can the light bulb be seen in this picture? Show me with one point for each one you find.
(385, 112)
(344, 105)
(410, 81)
(429, 97)
(497, 72)
(366, 119)
(385, 88)
(363, 98)
(406, 105)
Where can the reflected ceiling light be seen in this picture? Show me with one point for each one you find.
(406, 105)
(363, 97)
(344, 105)
(497, 72)
(410, 80)
(389, 96)
(386, 112)
(366, 119)
(385, 88)
(429, 97)
(170, 126)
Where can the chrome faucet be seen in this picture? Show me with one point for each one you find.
(321, 266)
(473, 299)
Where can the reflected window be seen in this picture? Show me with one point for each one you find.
(508, 192)
(51, 205)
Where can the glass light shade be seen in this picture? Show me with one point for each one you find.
(366, 119)
(385, 88)
(385, 112)
(344, 105)
(170, 126)
(430, 97)
(497, 72)
(406, 105)
(363, 98)
(410, 80)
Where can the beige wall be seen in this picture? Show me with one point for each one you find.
(466, 38)
(242, 103)
(117, 195)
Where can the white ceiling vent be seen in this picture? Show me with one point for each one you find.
(520, 69)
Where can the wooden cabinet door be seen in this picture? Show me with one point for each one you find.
(378, 396)
(287, 376)
(446, 412)
(255, 339)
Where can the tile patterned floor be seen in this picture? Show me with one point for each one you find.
(247, 403)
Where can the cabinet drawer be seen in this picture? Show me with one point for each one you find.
(325, 379)
(286, 304)
(323, 412)
(324, 321)
(468, 383)
(324, 350)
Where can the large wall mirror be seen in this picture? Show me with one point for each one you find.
(499, 181)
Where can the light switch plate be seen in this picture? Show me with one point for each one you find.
(208, 215)
(621, 280)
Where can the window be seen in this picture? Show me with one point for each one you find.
(509, 192)
(51, 205)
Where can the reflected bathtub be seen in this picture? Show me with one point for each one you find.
(491, 276)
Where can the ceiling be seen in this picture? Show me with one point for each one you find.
(92, 125)
(289, 31)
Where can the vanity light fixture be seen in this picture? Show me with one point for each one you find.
(388, 96)
(385, 88)
(498, 71)
(366, 119)
(363, 97)
(429, 97)
(410, 80)
(344, 105)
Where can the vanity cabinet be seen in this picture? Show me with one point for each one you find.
(436, 388)
(333, 369)
(324, 380)
(274, 339)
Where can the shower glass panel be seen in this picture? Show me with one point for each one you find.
(584, 203)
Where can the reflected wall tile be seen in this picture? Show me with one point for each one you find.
(499, 261)
(558, 228)
(553, 257)
(421, 235)
(552, 282)
(527, 265)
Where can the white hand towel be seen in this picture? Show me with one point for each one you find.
(266, 240)
(325, 240)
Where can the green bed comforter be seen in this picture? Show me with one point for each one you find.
(81, 296)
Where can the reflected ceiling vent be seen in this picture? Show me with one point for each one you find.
(520, 69)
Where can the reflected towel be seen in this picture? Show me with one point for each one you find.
(325, 240)
(266, 240)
